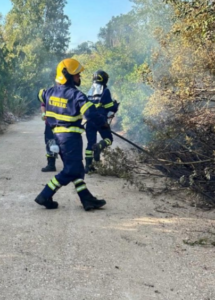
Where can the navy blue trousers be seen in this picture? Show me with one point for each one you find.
(71, 148)
(91, 134)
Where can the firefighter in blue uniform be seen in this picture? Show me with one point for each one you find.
(100, 96)
(65, 106)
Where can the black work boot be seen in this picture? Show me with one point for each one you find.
(89, 168)
(97, 148)
(47, 202)
(50, 166)
(89, 202)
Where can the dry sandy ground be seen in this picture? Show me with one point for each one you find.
(132, 249)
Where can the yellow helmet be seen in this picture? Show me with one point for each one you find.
(71, 66)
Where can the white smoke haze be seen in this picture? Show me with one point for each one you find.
(128, 43)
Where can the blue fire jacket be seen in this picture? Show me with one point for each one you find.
(65, 107)
(101, 97)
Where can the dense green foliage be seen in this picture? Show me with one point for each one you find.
(34, 37)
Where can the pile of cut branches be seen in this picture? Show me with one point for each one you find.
(138, 171)
(183, 149)
(186, 149)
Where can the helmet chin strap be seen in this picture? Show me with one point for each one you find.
(77, 83)
(70, 82)
(69, 78)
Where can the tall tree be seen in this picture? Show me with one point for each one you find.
(37, 36)
(4, 68)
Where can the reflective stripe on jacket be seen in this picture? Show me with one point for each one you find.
(65, 107)
(103, 102)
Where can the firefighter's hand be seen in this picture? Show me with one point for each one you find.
(116, 104)
(43, 116)
(105, 126)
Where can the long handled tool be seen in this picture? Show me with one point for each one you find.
(110, 118)
(135, 145)
(130, 142)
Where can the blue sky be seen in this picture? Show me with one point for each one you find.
(87, 16)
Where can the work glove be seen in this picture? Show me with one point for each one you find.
(116, 104)
(110, 115)
(105, 126)
(43, 116)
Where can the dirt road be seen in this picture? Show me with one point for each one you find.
(135, 248)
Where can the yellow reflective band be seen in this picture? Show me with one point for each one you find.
(77, 181)
(81, 188)
(85, 107)
(63, 117)
(62, 129)
(88, 151)
(108, 105)
(54, 180)
(40, 95)
(98, 105)
(52, 186)
(108, 142)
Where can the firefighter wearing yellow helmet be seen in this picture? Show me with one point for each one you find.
(67, 66)
(65, 106)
